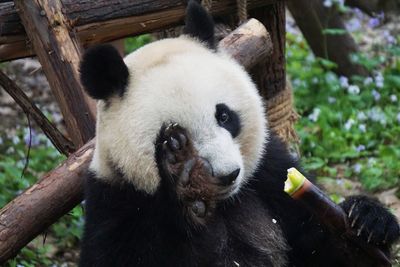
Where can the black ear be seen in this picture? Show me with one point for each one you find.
(199, 24)
(103, 72)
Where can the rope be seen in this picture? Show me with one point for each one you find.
(242, 10)
(282, 116)
(207, 4)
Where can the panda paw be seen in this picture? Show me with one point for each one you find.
(188, 177)
(371, 221)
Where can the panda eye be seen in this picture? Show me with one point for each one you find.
(223, 118)
(228, 119)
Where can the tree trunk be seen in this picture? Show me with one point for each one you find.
(313, 18)
(270, 75)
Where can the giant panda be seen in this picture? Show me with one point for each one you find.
(186, 171)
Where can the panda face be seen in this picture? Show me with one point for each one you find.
(179, 80)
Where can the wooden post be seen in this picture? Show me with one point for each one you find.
(270, 75)
(59, 53)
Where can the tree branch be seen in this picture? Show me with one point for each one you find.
(64, 145)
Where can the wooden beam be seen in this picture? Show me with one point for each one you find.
(270, 75)
(60, 190)
(103, 21)
(59, 54)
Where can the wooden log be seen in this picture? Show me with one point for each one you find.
(42, 204)
(59, 54)
(64, 145)
(103, 21)
(60, 190)
(270, 74)
(313, 18)
(255, 43)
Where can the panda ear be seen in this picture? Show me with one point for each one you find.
(103, 72)
(199, 24)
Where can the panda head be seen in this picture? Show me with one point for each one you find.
(183, 80)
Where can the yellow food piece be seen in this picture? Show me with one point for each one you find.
(294, 181)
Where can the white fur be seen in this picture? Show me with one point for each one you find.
(179, 80)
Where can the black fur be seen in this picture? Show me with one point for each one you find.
(103, 72)
(199, 24)
(125, 227)
(231, 120)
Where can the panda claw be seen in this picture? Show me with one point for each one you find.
(175, 124)
(353, 223)
(352, 209)
(370, 237)
(360, 230)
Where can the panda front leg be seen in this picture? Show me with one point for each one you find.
(186, 177)
(371, 221)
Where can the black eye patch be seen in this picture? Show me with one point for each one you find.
(228, 119)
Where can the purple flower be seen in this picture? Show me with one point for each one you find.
(357, 168)
(390, 39)
(362, 128)
(359, 14)
(315, 114)
(376, 95)
(375, 114)
(379, 80)
(353, 25)
(344, 81)
(331, 100)
(374, 22)
(328, 3)
(398, 117)
(368, 81)
(361, 116)
(393, 98)
(360, 148)
(31, 137)
(353, 89)
(349, 123)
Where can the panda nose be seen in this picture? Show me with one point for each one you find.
(230, 178)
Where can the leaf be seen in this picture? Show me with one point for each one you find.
(334, 31)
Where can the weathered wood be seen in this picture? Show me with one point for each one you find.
(270, 75)
(104, 21)
(254, 43)
(64, 145)
(37, 208)
(59, 54)
(60, 190)
(312, 18)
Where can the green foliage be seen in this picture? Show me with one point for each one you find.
(352, 122)
(133, 43)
